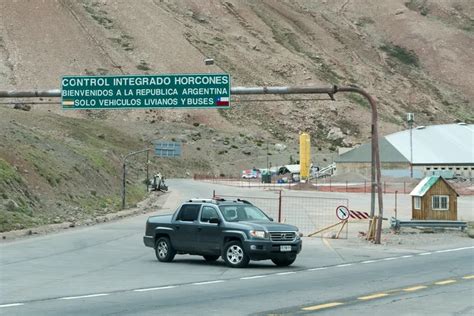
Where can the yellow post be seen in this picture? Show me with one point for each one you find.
(305, 155)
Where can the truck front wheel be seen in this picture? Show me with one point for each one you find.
(284, 262)
(234, 255)
(164, 250)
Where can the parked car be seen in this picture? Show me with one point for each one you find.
(235, 230)
(249, 176)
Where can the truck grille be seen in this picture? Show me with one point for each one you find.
(282, 236)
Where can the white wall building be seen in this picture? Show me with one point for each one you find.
(436, 150)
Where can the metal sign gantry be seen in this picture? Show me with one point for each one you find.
(331, 91)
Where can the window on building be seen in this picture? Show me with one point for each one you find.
(435, 168)
(443, 168)
(440, 202)
(450, 168)
(457, 168)
(417, 201)
(428, 168)
(465, 168)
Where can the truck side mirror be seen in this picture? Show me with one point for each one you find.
(214, 220)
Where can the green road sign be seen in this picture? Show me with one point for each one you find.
(136, 92)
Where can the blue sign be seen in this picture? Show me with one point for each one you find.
(168, 149)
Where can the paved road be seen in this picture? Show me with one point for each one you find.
(106, 270)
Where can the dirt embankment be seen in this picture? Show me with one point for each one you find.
(413, 56)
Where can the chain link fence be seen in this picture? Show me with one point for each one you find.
(308, 213)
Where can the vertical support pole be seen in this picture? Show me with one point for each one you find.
(411, 148)
(124, 175)
(124, 166)
(279, 207)
(330, 183)
(268, 168)
(372, 178)
(213, 194)
(346, 186)
(375, 166)
(396, 193)
(147, 170)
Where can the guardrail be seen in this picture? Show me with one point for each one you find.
(397, 224)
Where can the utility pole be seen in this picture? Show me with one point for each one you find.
(410, 120)
(124, 175)
(268, 170)
(147, 170)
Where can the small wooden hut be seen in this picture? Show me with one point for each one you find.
(434, 199)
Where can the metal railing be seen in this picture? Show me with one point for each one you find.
(397, 224)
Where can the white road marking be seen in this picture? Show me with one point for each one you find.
(253, 277)
(11, 305)
(317, 269)
(455, 249)
(260, 276)
(207, 282)
(156, 288)
(83, 296)
(286, 273)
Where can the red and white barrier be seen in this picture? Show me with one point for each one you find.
(358, 215)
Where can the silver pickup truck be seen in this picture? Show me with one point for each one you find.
(235, 230)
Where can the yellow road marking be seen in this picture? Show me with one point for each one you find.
(415, 288)
(369, 297)
(321, 306)
(468, 277)
(445, 282)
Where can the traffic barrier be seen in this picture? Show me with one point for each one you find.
(358, 215)
(397, 224)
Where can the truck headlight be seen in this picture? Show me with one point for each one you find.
(257, 234)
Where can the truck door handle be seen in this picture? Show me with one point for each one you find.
(199, 229)
(177, 227)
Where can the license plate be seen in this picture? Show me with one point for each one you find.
(285, 248)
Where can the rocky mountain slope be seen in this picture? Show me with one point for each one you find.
(412, 55)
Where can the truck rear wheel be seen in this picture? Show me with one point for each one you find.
(234, 255)
(164, 250)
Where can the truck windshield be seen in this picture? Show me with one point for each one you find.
(235, 213)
